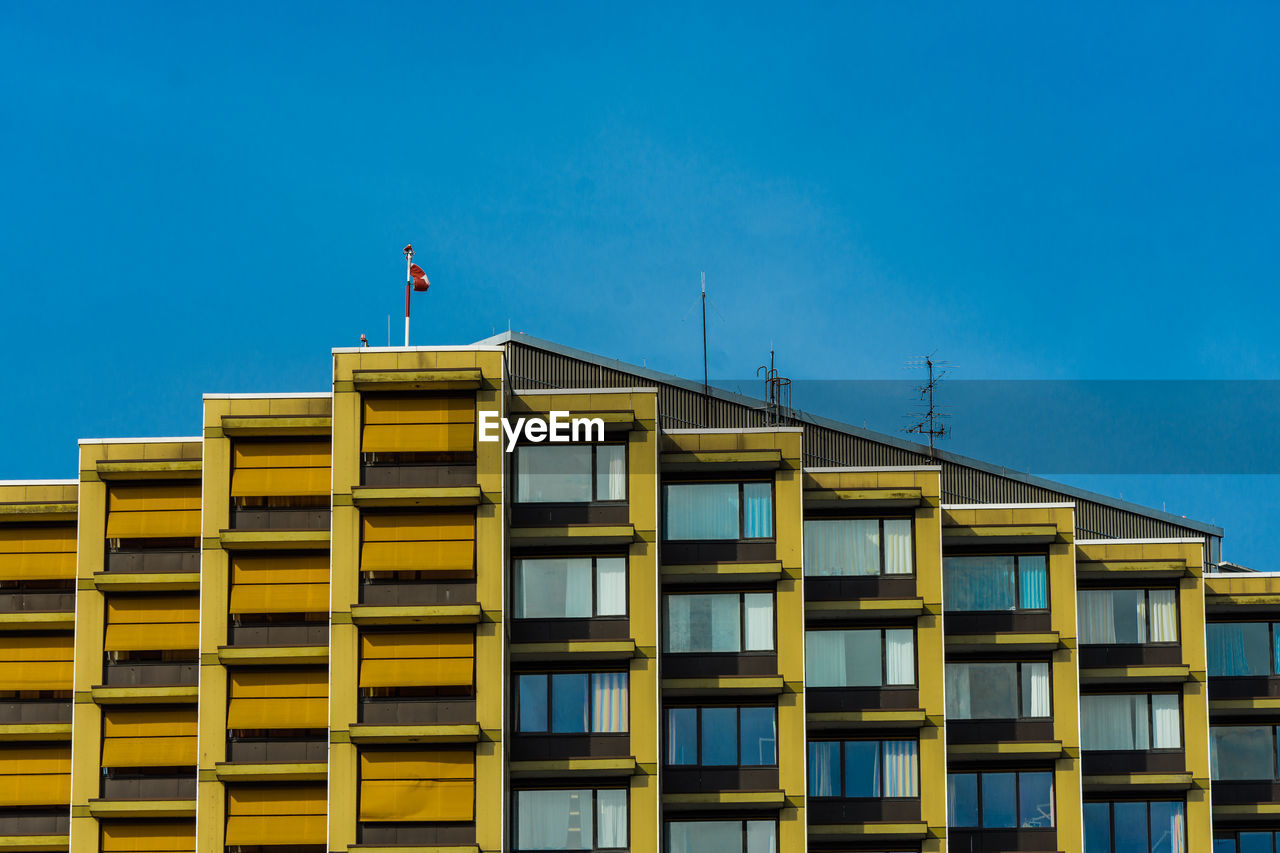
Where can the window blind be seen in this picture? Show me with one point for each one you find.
(418, 424)
(442, 542)
(152, 622)
(36, 661)
(275, 815)
(278, 699)
(35, 775)
(31, 553)
(289, 583)
(273, 469)
(148, 836)
(148, 510)
(149, 737)
(417, 785)
(418, 658)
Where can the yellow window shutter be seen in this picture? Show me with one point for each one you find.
(422, 423)
(35, 775)
(262, 815)
(147, 510)
(267, 699)
(417, 785)
(279, 598)
(148, 836)
(149, 737)
(36, 661)
(285, 568)
(417, 658)
(37, 553)
(274, 469)
(441, 542)
(152, 622)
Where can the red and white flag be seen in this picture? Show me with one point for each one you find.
(419, 277)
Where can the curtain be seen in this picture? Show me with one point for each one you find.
(611, 817)
(899, 656)
(1166, 722)
(706, 836)
(1035, 696)
(1114, 722)
(554, 820)
(958, 698)
(979, 583)
(682, 736)
(611, 586)
(1033, 582)
(1163, 605)
(553, 474)
(986, 691)
(553, 588)
(757, 510)
(1244, 753)
(762, 837)
(706, 622)
(1168, 828)
(847, 546)
(824, 768)
(824, 658)
(611, 472)
(679, 623)
(758, 608)
(1096, 615)
(901, 771)
(1226, 648)
(897, 546)
(609, 702)
(701, 511)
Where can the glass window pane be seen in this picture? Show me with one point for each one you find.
(704, 623)
(1035, 799)
(719, 736)
(1033, 583)
(611, 817)
(1095, 615)
(862, 768)
(611, 586)
(1129, 826)
(1168, 832)
(979, 583)
(551, 473)
(1250, 842)
(982, 691)
(962, 799)
(1239, 648)
(704, 836)
(1114, 722)
(899, 656)
(1241, 753)
(609, 702)
(1130, 615)
(569, 702)
(759, 736)
(553, 589)
(863, 658)
(1097, 828)
(999, 799)
(762, 837)
(1035, 690)
(758, 608)
(611, 472)
(682, 736)
(757, 510)
(1162, 612)
(533, 703)
(824, 658)
(1166, 722)
(554, 820)
(1220, 845)
(842, 547)
(897, 547)
(901, 774)
(701, 511)
(824, 768)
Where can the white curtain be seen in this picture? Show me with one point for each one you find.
(556, 474)
(611, 586)
(554, 820)
(901, 768)
(1166, 722)
(611, 472)
(611, 817)
(899, 656)
(1114, 722)
(609, 702)
(553, 589)
(897, 546)
(824, 658)
(1036, 698)
(758, 607)
(1164, 615)
(958, 699)
(824, 768)
(845, 546)
(1096, 615)
(762, 837)
(707, 622)
(702, 511)
(757, 510)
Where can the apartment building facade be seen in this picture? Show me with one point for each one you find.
(339, 621)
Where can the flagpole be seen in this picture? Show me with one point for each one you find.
(408, 288)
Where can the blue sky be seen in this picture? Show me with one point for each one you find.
(208, 198)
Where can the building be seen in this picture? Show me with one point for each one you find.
(338, 621)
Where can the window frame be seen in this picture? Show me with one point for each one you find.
(742, 508)
(1022, 716)
(1146, 591)
(742, 620)
(1111, 819)
(518, 724)
(882, 543)
(595, 823)
(884, 660)
(1017, 799)
(880, 759)
(594, 475)
(666, 737)
(518, 585)
(742, 828)
(1017, 582)
(1182, 739)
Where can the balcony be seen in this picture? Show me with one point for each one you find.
(38, 601)
(1130, 655)
(416, 475)
(559, 515)
(1137, 761)
(398, 593)
(280, 518)
(700, 780)
(416, 711)
(149, 673)
(568, 630)
(296, 750)
(445, 836)
(714, 665)
(137, 786)
(999, 840)
(154, 560)
(30, 712)
(831, 700)
(550, 747)
(836, 810)
(716, 551)
(28, 821)
(297, 633)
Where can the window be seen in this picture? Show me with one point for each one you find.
(1129, 721)
(997, 691)
(722, 836)
(573, 473)
(1243, 648)
(720, 622)
(864, 768)
(1001, 582)
(718, 511)
(1155, 827)
(1247, 842)
(722, 737)
(1001, 800)
(841, 547)
(1243, 753)
(572, 702)
(571, 587)
(867, 657)
(575, 819)
(1127, 616)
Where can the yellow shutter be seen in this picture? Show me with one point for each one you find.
(421, 424)
(35, 775)
(441, 542)
(148, 836)
(272, 469)
(146, 510)
(152, 622)
(418, 658)
(417, 785)
(37, 553)
(36, 661)
(279, 699)
(148, 737)
(262, 815)
(293, 583)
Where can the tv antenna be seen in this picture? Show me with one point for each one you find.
(777, 393)
(932, 421)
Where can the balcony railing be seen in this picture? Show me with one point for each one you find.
(395, 475)
(35, 711)
(153, 560)
(711, 665)
(57, 601)
(410, 835)
(1112, 762)
(29, 821)
(395, 711)
(697, 780)
(394, 593)
(280, 518)
(1100, 656)
(1028, 840)
(863, 810)
(546, 747)
(140, 787)
(150, 673)
(839, 699)
(265, 750)
(279, 634)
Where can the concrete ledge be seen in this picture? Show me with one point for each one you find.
(281, 425)
(142, 808)
(568, 768)
(898, 831)
(365, 496)
(1258, 706)
(769, 459)
(1003, 534)
(1141, 781)
(863, 608)
(909, 718)
(146, 581)
(1011, 641)
(184, 694)
(767, 572)
(165, 469)
(1124, 674)
(416, 614)
(1248, 810)
(50, 621)
(293, 540)
(272, 655)
(36, 731)
(22, 513)
(573, 534)
(34, 843)
(725, 801)
(574, 650)
(1006, 751)
(450, 733)
(272, 772)
(1136, 569)
(889, 498)
(741, 685)
(451, 379)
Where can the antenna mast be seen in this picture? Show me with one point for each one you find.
(777, 392)
(931, 421)
(704, 333)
